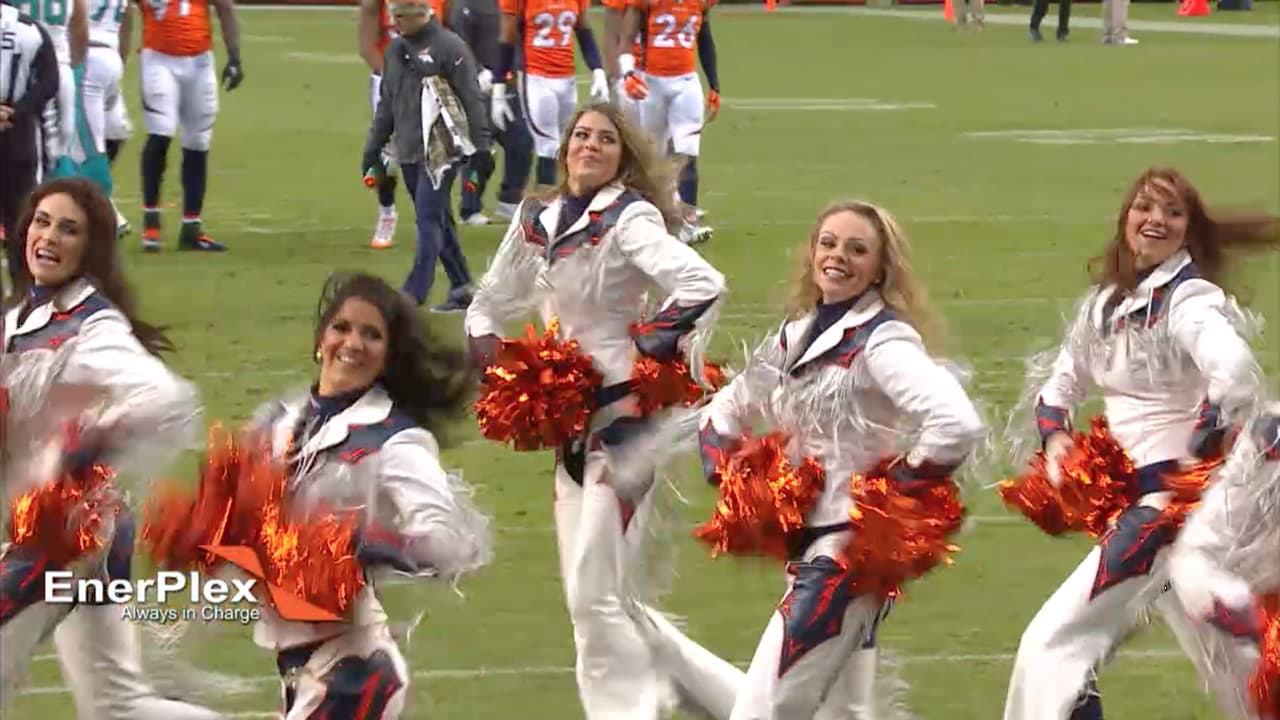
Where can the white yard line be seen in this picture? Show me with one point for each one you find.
(931, 13)
(482, 673)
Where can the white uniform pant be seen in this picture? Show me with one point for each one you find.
(1082, 624)
(1209, 591)
(104, 106)
(628, 655)
(359, 675)
(549, 103)
(101, 662)
(808, 661)
(180, 91)
(673, 112)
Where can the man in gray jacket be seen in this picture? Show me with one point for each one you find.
(430, 99)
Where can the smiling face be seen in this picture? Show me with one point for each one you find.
(594, 153)
(353, 348)
(846, 256)
(1156, 224)
(56, 240)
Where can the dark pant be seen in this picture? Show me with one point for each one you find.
(20, 180)
(437, 234)
(1041, 8)
(517, 161)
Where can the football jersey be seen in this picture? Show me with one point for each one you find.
(549, 27)
(104, 21)
(671, 35)
(176, 27)
(55, 17)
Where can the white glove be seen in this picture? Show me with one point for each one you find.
(599, 86)
(485, 80)
(499, 108)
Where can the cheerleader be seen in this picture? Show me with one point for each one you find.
(587, 255)
(70, 292)
(1226, 555)
(1162, 342)
(847, 366)
(365, 437)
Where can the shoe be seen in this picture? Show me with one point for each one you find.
(193, 238)
(505, 210)
(458, 301)
(384, 233)
(1062, 34)
(1035, 35)
(695, 233)
(151, 240)
(475, 219)
(1129, 41)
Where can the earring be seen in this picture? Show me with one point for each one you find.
(317, 355)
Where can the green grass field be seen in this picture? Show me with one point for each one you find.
(1003, 223)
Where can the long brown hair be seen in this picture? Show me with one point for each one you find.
(1211, 234)
(429, 380)
(642, 168)
(898, 286)
(100, 263)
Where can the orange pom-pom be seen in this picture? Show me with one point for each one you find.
(241, 500)
(897, 536)
(538, 393)
(65, 519)
(1188, 486)
(1264, 686)
(1094, 488)
(763, 499)
(659, 385)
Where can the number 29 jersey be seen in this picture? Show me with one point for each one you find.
(548, 27)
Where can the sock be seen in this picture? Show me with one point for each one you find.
(151, 217)
(113, 148)
(195, 173)
(153, 161)
(688, 186)
(387, 197)
(545, 174)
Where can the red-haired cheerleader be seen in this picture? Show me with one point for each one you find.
(838, 384)
(586, 256)
(1166, 348)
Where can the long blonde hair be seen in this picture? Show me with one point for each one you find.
(898, 284)
(641, 168)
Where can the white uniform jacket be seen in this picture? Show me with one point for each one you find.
(374, 458)
(594, 277)
(1168, 360)
(153, 413)
(848, 399)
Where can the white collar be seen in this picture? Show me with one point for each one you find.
(550, 215)
(67, 297)
(863, 310)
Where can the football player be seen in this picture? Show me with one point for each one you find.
(180, 88)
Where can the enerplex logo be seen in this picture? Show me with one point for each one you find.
(218, 599)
